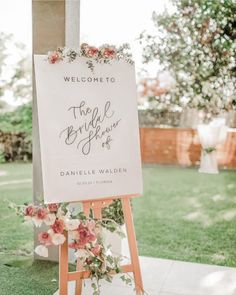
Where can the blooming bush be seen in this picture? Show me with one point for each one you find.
(197, 45)
(87, 238)
(103, 54)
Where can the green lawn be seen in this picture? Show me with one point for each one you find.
(187, 216)
(183, 215)
(18, 274)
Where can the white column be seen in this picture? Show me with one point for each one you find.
(72, 23)
(55, 23)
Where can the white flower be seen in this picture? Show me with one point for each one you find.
(41, 250)
(51, 232)
(66, 50)
(166, 81)
(206, 88)
(212, 25)
(184, 100)
(60, 214)
(108, 252)
(72, 224)
(58, 239)
(37, 222)
(50, 219)
(27, 218)
(74, 235)
(81, 254)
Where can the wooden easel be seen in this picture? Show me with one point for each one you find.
(96, 206)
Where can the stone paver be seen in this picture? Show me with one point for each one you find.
(169, 277)
(200, 279)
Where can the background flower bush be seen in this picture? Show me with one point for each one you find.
(197, 46)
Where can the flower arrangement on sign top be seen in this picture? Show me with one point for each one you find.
(103, 54)
(87, 237)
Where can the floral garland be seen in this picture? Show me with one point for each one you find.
(87, 238)
(103, 54)
(209, 150)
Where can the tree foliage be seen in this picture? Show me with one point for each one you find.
(19, 120)
(197, 45)
(15, 69)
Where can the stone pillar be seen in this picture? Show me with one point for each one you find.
(72, 24)
(55, 23)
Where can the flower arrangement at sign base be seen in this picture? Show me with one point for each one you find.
(87, 237)
(102, 55)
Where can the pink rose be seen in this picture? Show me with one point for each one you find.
(41, 213)
(92, 52)
(53, 207)
(54, 57)
(96, 250)
(30, 210)
(45, 239)
(58, 226)
(85, 235)
(88, 261)
(91, 225)
(74, 246)
(108, 52)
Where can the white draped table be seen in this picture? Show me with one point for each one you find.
(210, 136)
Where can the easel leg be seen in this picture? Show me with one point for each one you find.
(132, 245)
(78, 283)
(79, 267)
(63, 267)
(97, 213)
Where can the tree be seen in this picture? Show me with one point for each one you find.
(19, 120)
(197, 45)
(15, 69)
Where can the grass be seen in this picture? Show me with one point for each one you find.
(18, 273)
(183, 215)
(187, 216)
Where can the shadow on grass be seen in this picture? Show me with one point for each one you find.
(23, 276)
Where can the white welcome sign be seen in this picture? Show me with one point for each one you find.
(88, 126)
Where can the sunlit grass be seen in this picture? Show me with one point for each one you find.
(187, 216)
(183, 215)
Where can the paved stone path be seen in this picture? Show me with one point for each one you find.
(169, 277)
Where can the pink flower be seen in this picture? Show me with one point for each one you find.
(108, 52)
(58, 226)
(84, 46)
(96, 250)
(88, 261)
(41, 213)
(58, 239)
(74, 245)
(54, 57)
(53, 207)
(91, 225)
(85, 235)
(45, 239)
(30, 210)
(92, 52)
